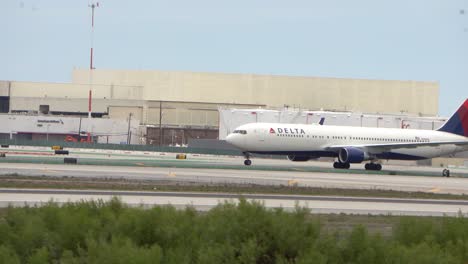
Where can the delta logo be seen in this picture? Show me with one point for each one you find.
(286, 130)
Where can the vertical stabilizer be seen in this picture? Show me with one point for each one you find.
(458, 123)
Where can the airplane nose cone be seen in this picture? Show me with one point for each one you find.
(233, 139)
(230, 138)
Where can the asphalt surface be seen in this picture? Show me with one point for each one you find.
(229, 176)
(150, 166)
(206, 201)
(44, 155)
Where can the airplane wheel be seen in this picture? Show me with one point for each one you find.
(378, 167)
(336, 165)
(446, 173)
(339, 165)
(247, 162)
(373, 166)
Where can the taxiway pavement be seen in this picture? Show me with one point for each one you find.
(262, 177)
(29, 154)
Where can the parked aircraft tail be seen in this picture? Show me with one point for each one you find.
(458, 123)
(322, 120)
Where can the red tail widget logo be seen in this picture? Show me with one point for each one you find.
(458, 123)
(272, 131)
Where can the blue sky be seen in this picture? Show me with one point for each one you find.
(387, 39)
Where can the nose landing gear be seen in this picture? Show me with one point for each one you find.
(247, 161)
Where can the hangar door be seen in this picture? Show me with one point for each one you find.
(4, 104)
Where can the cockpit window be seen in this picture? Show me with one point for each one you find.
(243, 132)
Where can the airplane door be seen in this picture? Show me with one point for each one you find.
(261, 134)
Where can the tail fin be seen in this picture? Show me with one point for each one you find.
(322, 120)
(458, 123)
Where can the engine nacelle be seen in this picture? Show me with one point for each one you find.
(299, 158)
(352, 155)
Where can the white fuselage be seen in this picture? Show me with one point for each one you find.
(275, 138)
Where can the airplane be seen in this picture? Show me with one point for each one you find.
(300, 142)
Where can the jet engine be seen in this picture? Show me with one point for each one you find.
(300, 158)
(352, 155)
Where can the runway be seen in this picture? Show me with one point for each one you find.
(227, 176)
(102, 157)
(206, 201)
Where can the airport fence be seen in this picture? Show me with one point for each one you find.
(123, 147)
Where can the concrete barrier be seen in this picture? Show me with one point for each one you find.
(70, 160)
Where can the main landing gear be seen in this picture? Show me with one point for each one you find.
(446, 173)
(247, 161)
(339, 165)
(373, 166)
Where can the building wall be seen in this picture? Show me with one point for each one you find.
(189, 99)
(115, 100)
(107, 130)
(177, 136)
(4, 88)
(371, 96)
(74, 91)
(4, 96)
(123, 112)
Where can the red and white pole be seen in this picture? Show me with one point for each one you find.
(91, 68)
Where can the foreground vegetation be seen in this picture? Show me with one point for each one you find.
(98, 232)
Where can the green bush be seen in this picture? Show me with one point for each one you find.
(232, 232)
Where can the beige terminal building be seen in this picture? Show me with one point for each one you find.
(171, 107)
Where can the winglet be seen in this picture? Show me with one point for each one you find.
(458, 123)
(322, 120)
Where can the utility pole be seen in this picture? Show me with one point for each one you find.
(91, 68)
(129, 135)
(79, 130)
(463, 12)
(160, 124)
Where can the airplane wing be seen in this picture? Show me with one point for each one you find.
(381, 147)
